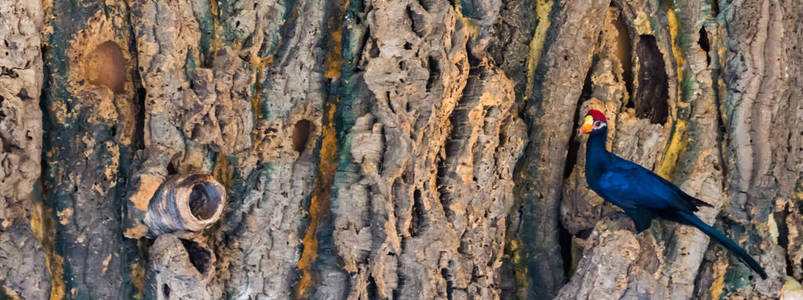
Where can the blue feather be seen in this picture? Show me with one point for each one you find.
(644, 195)
(690, 219)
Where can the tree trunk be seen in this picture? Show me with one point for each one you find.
(196, 149)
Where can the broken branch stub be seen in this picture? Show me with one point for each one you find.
(186, 203)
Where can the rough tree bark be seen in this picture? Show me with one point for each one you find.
(23, 271)
(408, 149)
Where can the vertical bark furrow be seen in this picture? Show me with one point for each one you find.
(407, 218)
(89, 97)
(760, 109)
(409, 121)
(698, 170)
(23, 272)
(279, 44)
(558, 83)
(475, 181)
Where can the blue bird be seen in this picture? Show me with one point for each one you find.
(642, 194)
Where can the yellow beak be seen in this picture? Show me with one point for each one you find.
(587, 125)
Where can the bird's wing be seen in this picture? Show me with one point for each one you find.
(632, 186)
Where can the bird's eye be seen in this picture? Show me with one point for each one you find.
(596, 123)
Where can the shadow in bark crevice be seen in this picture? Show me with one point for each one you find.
(200, 257)
(371, 288)
(434, 71)
(417, 219)
(705, 45)
(624, 50)
(783, 235)
(574, 142)
(565, 242)
(652, 93)
(417, 22)
(449, 283)
(564, 236)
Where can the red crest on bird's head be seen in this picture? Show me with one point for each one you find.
(597, 115)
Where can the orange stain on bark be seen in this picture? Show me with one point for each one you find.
(319, 203)
(222, 171)
(334, 58)
(43, 227)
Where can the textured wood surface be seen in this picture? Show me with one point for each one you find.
(408, 149)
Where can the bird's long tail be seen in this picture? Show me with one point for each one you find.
(723, 240)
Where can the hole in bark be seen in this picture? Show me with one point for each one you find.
(23, 94)
(434, 71)
(703, 41)
(106, 66)
(408, 46)
(171, 166)
(389, 102)
(783, 234)
(8, 72)
(199, 256)
(652, 92)
(418, 214)
(449, 283)
(371, 288)
(166, 290)
(301, 133)
(704, 44)
(204, 201)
